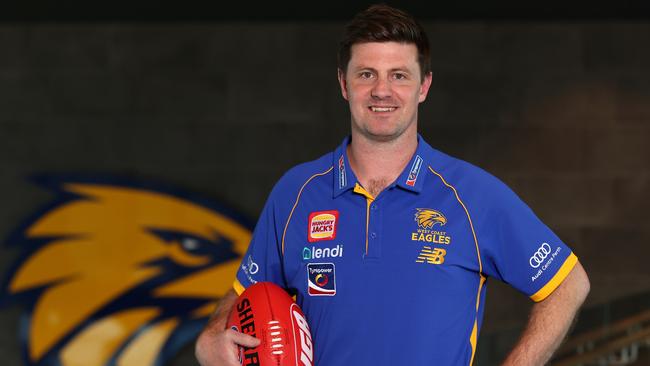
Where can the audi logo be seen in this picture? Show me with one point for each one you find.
(539, 256)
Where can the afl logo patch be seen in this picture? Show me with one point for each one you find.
(415, 170)
(322, 225)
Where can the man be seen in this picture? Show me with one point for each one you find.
(387, 242)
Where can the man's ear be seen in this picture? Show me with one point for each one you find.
(424, 87)
(343, 83)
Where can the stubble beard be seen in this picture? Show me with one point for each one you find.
(365, 130)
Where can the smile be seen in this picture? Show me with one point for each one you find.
(382, 109)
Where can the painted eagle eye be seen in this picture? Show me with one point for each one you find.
(190, 244)
(219, 248)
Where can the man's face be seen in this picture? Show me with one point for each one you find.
(384, 87)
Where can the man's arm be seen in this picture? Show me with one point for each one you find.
(550, 320)
(218, 346)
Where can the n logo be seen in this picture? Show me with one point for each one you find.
(431, 255)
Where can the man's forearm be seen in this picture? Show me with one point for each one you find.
(218, 346)
(550, 321)
(219, 318)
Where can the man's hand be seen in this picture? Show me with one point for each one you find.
(218, 346)
(550, 320)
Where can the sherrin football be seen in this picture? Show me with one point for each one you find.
(265, 311)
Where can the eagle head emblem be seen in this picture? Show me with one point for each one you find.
(121, 275)
(427, 218)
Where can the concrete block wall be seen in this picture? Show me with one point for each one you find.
(559, 111)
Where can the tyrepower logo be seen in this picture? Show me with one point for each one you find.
(301, 331)
(321, 281)
(538, 258)
(322, 225)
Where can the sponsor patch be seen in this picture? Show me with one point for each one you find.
(543, 255)
(414, 172)
(318, 253)
(322, 225)
(538, 258)
(320, 279)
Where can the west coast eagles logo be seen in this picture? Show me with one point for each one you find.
(427, 219)
(114, 274)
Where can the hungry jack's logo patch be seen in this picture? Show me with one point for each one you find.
(322, 225)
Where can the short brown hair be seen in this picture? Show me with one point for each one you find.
(382, 23)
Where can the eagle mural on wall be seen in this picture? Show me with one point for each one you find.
(120, 274)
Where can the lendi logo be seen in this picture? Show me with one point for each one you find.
(317, 253)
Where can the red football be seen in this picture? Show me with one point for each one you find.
(265, 311)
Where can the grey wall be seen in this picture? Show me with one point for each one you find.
(561, 112)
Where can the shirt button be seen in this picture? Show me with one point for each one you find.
(373, 207)
(373, 235)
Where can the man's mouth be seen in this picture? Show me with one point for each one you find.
(382, 109)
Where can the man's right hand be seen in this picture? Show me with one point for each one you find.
(217, 346)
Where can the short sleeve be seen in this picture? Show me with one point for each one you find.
(263, 260)
(521, 250)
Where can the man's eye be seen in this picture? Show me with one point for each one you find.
(365, 75)
(399, 76)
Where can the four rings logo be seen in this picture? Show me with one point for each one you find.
(539, 256)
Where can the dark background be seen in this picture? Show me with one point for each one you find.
(268, 11)
(552, 98)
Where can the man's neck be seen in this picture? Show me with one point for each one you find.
(377, 163)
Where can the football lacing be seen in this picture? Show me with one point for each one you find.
(276, 338)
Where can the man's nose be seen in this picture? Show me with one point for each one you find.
(381, 89)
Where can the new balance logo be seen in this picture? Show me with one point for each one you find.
(431, 255)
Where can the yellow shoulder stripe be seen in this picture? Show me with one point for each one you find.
(568, 265)
(238, 287)
(284, 233)
(471, 224)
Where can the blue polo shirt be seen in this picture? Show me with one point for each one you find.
(399, 279)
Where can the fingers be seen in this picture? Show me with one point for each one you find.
(222, 348)
(243, 339)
